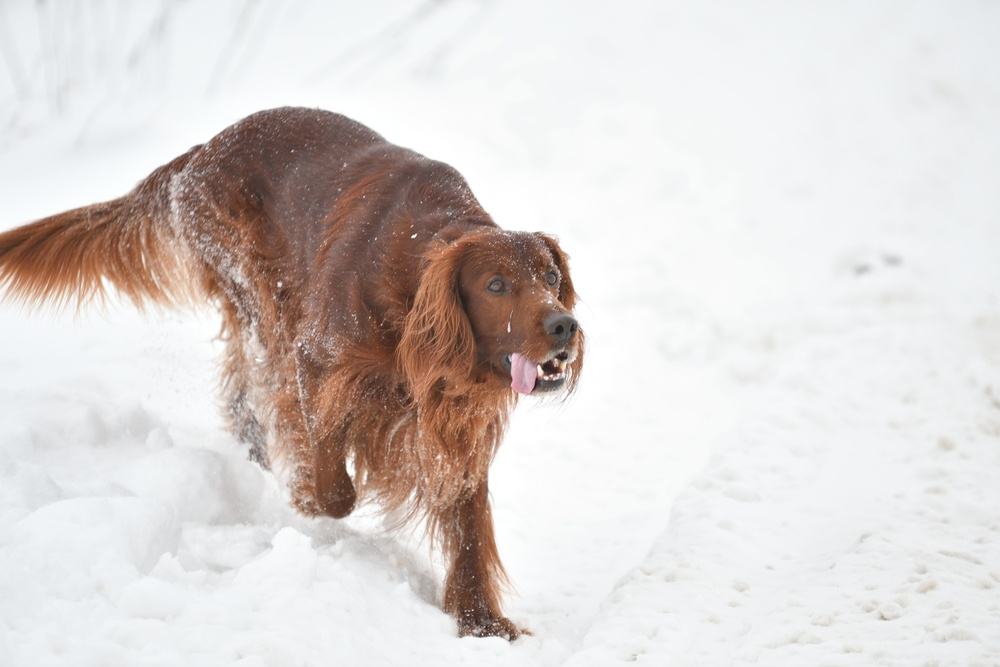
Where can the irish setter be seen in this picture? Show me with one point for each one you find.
(374, 315)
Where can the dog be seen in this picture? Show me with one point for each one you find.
(374, 315)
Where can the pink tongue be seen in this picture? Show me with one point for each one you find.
(522, 374)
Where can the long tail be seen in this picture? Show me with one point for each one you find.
(127, 242)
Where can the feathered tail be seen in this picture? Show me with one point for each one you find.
(127, 242)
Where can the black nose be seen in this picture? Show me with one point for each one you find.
(560, 326)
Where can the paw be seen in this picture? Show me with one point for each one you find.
(339, 501)
(336, 506)
(490, 627)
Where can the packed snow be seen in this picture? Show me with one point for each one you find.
(784, 223)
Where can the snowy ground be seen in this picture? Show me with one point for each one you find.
(784, 221)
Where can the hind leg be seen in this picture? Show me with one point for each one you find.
(237, 385)
(247, 429)
(276, 384)
(263, 407)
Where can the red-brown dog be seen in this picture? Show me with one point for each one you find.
(373, 312)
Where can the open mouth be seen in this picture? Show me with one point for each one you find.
(553, 369)
(527, 376)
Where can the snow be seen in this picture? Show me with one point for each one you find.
(783, 221)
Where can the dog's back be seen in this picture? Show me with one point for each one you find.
(260, 190)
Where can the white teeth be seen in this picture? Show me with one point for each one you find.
(558, 374)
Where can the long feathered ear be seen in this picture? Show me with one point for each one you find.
(567, 295)
(437, 349)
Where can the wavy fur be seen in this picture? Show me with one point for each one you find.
(127, 242)
(351, 275)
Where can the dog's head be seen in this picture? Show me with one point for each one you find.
(497, 307)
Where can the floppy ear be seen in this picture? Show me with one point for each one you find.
(567, 295)
(437, 341)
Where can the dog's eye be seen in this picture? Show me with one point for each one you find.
(551, 277)
(496, 286)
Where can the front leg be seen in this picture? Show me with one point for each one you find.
(335, 492)
(475, 575)
(320, 483)
(332, 492)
